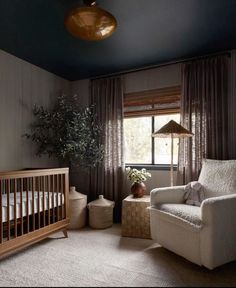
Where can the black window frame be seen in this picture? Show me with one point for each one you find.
(153, 166)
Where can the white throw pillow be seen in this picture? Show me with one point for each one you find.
(218, 177)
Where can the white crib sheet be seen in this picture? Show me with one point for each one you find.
(30, 202)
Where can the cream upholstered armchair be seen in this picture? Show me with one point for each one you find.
(205, 235)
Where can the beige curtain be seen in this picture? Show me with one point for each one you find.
(107, 178)
(204, 111)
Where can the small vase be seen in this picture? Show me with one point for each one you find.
(138, 189)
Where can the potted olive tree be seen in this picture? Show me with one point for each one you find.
(67, 132)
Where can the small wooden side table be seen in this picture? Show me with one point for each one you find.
(136, 217)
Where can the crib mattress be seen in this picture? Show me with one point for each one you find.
(47, 204)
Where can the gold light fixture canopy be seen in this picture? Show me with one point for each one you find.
(90, 22)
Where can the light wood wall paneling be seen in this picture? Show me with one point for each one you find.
(21, 86)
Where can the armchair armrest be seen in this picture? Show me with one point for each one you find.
(218, 236)
(217, 210)
(173, 194)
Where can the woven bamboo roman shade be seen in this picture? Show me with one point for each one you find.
(152, 102)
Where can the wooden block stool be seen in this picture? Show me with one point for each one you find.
(136, 217)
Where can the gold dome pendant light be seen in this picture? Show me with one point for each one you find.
(90, 22)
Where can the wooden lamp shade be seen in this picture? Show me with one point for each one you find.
(172, 129)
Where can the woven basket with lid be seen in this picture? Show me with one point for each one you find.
(77, 209)
(101, 213)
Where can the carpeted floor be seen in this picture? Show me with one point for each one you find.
(103, 258)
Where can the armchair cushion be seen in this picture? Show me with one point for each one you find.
(182, 213)
(218, 177)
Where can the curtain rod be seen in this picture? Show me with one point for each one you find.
(227, 52)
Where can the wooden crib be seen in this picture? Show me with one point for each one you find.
(33, 204)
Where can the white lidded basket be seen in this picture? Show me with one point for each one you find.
(101, 213)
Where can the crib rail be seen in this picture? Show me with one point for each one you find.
(32, 201)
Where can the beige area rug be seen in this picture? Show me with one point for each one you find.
(102, 258)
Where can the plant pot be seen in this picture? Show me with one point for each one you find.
(138, 189)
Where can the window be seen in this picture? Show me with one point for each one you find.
(138, 140)
(145, 113)
(141, 147)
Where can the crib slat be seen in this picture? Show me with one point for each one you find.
(15, 216)
(57, 197)
(1, 224)
(21, 208)
(33, 212)
(27, 203)
(49, 186)
(61, 195)
(39, 189)
(8, 210)
(60, 179)
(53, 208)
(66, 188)
(43, 190)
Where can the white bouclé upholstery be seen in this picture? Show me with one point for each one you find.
(218, 177)
(205, 235)
(191, 214)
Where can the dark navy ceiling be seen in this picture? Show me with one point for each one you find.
(149, 32)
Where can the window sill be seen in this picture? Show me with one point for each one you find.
(157, 167)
